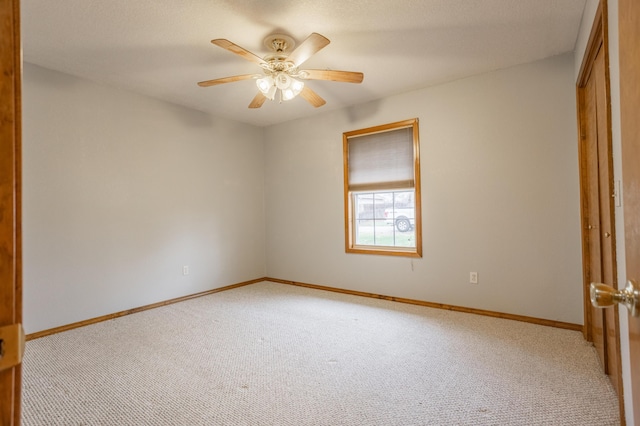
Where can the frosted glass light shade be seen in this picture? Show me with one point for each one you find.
(293, 90)
(267, 86)
(283, 81)
(289, 87)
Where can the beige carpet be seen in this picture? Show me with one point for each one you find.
(273, 354)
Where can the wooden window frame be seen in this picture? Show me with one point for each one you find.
(350, 246)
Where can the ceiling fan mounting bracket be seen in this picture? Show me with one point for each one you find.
(279, 43)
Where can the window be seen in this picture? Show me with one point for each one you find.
(382, 190)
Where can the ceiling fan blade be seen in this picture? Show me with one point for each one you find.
(312, 97)
(234, 48)
(307, 48)
(257, 101)
(344, 76)
(225, 80)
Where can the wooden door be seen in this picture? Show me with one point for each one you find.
(595, 325)
(629, 42)
(605, 231)
(10, 242)
(596, 179)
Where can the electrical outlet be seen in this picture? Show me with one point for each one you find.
(185, 270)
(473, 277)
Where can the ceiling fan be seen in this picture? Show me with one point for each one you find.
(280, 69)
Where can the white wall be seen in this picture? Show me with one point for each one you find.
(500, 195)
(121, 191)
(614, 75)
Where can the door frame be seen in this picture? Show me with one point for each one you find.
(10, 198)
(598, 40)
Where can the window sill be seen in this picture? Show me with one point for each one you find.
(384, 251)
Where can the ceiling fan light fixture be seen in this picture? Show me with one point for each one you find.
(283, 81)
(287, 95)
(289, 87)
(267, 86)
(271, 93)
(297, 86)
(264, 84)
(294, 89)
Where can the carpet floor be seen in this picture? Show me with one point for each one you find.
(274, 354)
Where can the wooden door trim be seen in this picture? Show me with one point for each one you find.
(598, 40)
(10, 197)
(598, 36)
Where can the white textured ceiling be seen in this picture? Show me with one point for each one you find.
(162, 48)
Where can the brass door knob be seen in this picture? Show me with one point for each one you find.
(603, 295)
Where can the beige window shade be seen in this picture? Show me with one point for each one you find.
(381, 160)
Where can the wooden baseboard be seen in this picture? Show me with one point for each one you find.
(134, 310)
(539, 321)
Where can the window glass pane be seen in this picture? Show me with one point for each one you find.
(385, 219)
